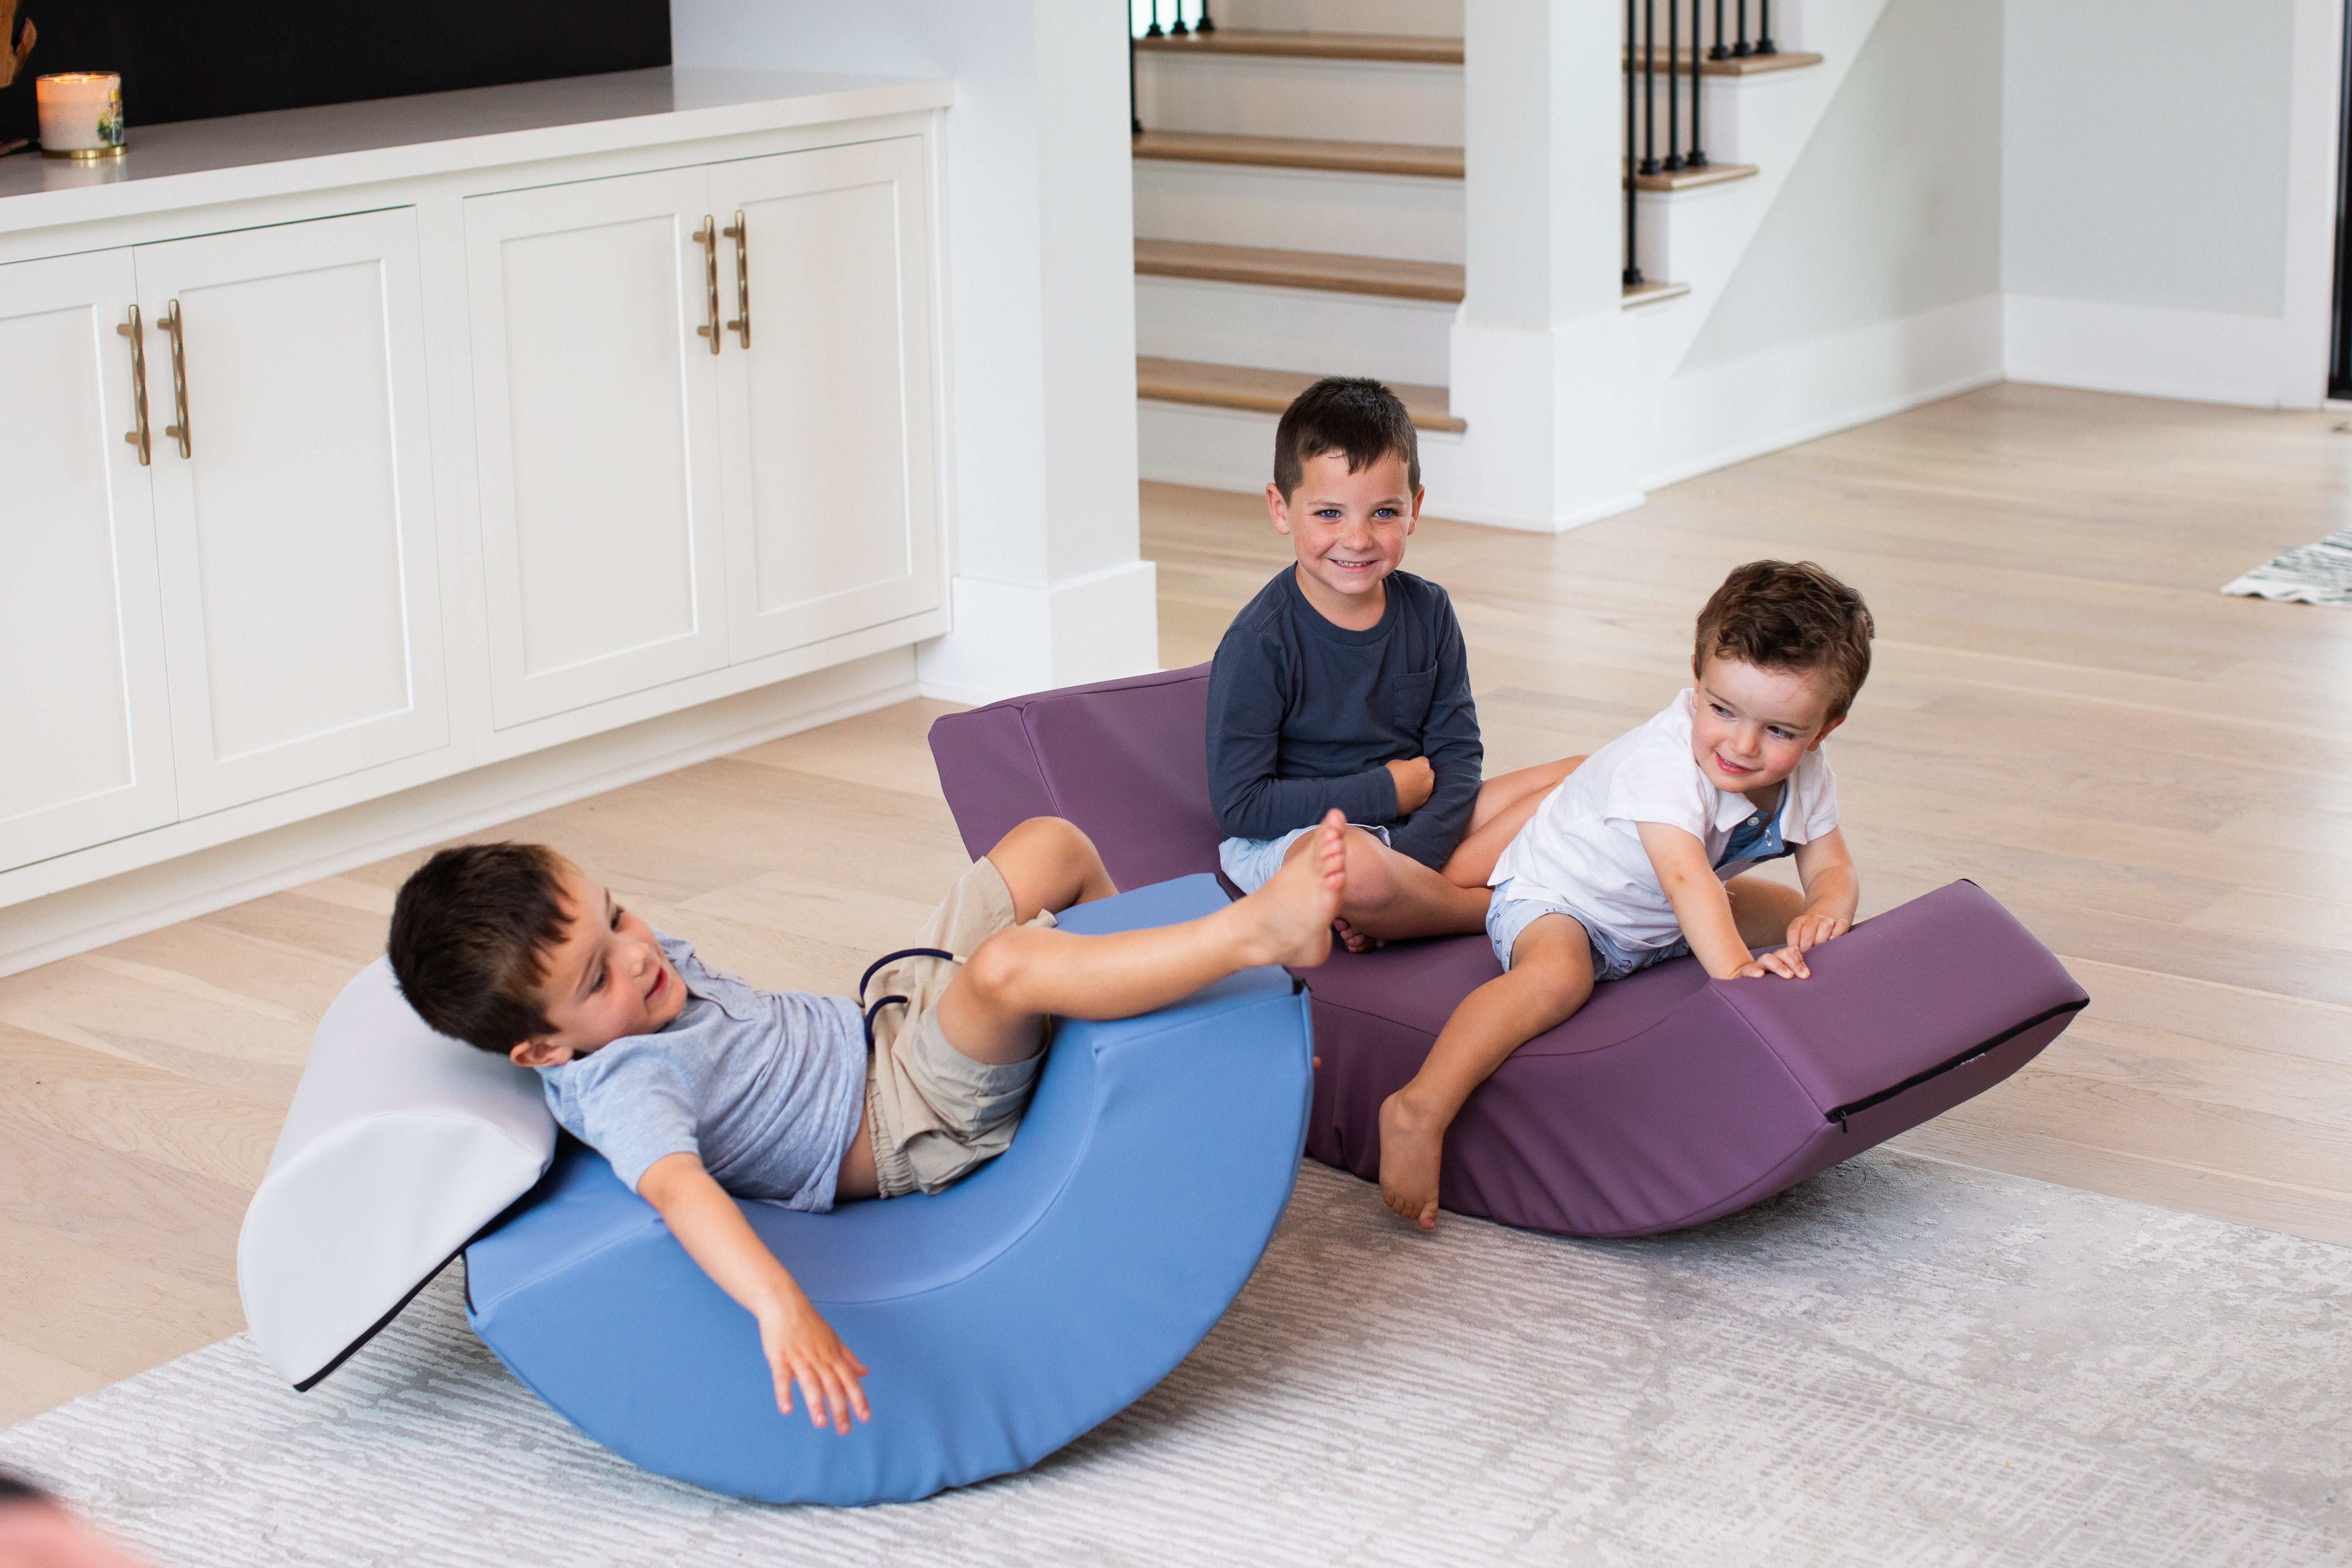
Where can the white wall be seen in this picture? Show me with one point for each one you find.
(1038, 227)
(2168, 194)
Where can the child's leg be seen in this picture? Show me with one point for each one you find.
(1763, 909)
(1505, 804)
(993, 1009)
(1549, 978)
(1048, 863)
(1392, 896)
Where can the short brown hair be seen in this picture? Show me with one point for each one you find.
(1793, 615)
(1348, 414)
(468, 930)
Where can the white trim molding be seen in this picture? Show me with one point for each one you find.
(2149, 350)
(1013, 638)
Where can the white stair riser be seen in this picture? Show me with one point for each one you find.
(1400, 215)
(1422, 18)
(1311, 331)
(1729, 105)
(1331, 100)
(1231, 449)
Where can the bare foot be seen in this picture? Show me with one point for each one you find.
(1294, 909)
(1353, 940)
(1410, 1152)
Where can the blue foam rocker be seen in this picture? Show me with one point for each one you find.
(1001, 1319)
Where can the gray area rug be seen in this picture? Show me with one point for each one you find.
(1900, 1362)
(2317, 574)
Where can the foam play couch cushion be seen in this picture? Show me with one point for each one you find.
(1000, 1319)
(1669, 1099)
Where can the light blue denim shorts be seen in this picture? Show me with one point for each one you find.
(1506, 917)
(1248, 862)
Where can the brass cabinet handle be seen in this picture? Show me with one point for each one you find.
(741, 234)
(706, 236)
(137, 333)
(176, 332)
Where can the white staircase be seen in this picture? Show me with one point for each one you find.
(1299, 210)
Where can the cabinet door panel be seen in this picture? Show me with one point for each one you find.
(598, 440)
(831, 524)
(297, 535)
(85, 733)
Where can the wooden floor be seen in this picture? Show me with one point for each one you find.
(2154, 777)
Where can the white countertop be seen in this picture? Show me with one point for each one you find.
(293, 150)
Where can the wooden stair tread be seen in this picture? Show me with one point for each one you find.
(1269, 391)
(1746, 64)
(1400, 46)
(1381, 275)
(1298, 152)
(1652, 293)
(1691, 179)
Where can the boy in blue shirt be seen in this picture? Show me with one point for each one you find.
(700, 1088)
(1345, 686)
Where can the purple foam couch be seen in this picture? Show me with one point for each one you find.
(1670, 1099)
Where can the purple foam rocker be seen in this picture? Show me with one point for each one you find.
(1669, 1099)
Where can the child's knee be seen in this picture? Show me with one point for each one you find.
(993, 972)
(1371, 875)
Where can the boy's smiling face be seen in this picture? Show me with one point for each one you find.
(1348, 532)
(1750, 727)
(607, 979)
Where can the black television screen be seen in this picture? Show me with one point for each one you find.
(193, 61)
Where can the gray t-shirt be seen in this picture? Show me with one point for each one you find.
(765, 1085)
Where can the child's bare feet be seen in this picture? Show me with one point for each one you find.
(1410, 1152)
(1353, 940)
(1294, 909)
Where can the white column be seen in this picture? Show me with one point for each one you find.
(1037, 229)
(1544, 368)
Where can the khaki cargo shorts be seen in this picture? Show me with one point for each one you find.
(935, 1114)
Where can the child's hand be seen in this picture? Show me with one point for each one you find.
(1788, 963)
(1414, 781)
(1811, 931)
(801, 1346)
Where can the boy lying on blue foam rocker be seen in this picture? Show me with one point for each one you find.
(694, 1085)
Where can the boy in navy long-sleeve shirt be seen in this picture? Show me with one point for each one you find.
(1345, 684)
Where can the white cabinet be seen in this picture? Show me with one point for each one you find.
(702, 408)
(84, 740)
(595, 411)
(823, 397)
(294, 520)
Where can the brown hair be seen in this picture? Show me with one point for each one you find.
(1793, 615)
(468, 930)
(1353, 415)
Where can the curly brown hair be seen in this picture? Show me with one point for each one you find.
(1793, 615)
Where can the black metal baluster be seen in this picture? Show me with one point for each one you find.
(1764, 44)
(1721, 51)
(1650, 85)
(1179, 30)
(1632, 276)
(1673, 88)
(1157, 31)
(1739, 51)
(1204, 25)
(1134, 115)
(1698, 158)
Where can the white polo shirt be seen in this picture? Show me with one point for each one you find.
(1582, 848)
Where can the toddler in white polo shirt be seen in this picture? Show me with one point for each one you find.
(1637, 855)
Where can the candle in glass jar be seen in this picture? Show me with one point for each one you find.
(81, 114)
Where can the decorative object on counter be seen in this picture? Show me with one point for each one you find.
(81, 114)
(14, 144)
(15, 47)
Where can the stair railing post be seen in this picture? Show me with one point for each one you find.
(1721, 51)
(1739, 51)
(1649, 87)
(1134, 115)
(1696, 158)
(1764, 44)
(1157, 31)
(1631, 277)
(1204, 25)
(1674, 88)
(1179, 30)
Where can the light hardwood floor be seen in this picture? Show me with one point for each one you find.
(2151, 775)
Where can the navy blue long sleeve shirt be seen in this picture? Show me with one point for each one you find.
(1304, 715)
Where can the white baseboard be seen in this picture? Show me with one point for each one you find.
(1014, 637)
(1730, 413)
(2147, 350)
(76, 920)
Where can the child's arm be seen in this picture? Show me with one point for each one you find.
(1704, 909)
(1246, 704)
(799, 1344)
(1453, 751)
(1832, 891)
